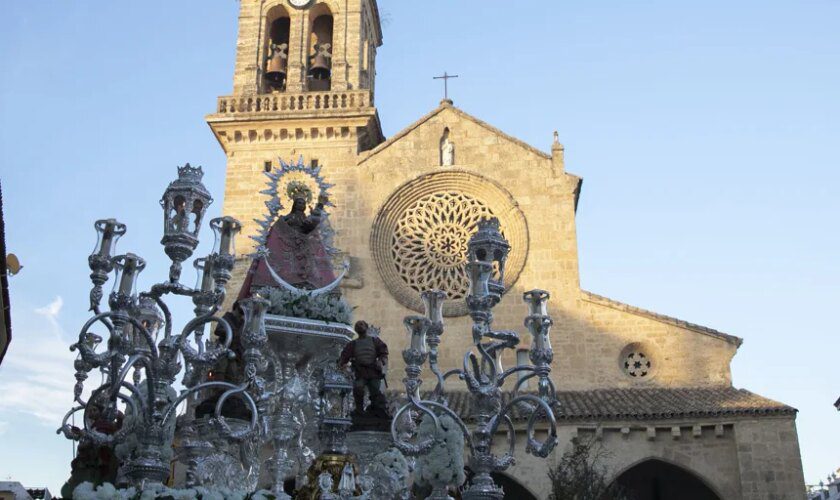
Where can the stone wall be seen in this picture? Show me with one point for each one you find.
(589, 335)
(739, 459)
(769, 459)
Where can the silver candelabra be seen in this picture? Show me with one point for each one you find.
(142, 435)
(482, 371)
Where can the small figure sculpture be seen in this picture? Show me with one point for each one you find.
(325, 484)
(369, 357)
(447, 150)
(295, 250)
(347, 485)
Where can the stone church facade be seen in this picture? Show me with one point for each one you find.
(653, 391)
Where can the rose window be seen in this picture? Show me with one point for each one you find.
(430, 243)
(419, 238)
(636, 364)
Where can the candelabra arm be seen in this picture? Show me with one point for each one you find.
(193, 356)
(516, 369)
(439, 388)
(97, 311)
(89, 356)
(133, 360)
(97, 437)
(490, 359)
(67, 429)
(425, 446)
(232, 390)
(511, 435)
(534, 447)
(167, 315)
(168, 287)
(474, 378)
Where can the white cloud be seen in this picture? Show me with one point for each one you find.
(4, 426)
(51, 310)
(37, 373)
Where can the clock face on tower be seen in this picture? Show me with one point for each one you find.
(300, 3)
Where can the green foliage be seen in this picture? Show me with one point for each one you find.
(328, 307)
(581, 475)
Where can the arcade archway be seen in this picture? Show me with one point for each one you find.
(658, 480)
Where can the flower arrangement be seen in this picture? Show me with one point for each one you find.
(107, 491)
(444, 464)
(328, 307)
(390, 473)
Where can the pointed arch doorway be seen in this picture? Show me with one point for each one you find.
(513, 489)
(658, 480)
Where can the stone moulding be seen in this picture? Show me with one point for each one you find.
(412, 235)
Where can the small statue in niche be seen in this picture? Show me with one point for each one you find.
(447, 150)
(369, 358)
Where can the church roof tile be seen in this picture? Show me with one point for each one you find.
(645, 404)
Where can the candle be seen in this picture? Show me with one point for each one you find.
(416, 329)
(479, 276)
(225, 229)
(108, 231)
(128, 267)
(204, 273)
(433, 302)
(107, 237)
(537, 302)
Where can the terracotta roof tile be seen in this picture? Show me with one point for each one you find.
(643, 404)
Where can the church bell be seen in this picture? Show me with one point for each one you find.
(321, 64)
(276, 67)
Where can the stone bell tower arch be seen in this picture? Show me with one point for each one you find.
(303, 85)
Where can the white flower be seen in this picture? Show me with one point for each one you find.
(444, 464)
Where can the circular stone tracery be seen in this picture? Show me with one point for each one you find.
(636, 364)
(419, 238)
(430, 243)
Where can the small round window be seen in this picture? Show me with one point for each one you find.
(636, 362)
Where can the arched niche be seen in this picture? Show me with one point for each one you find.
(656, 479)
(514, 490)
(320, 48)
(276, 48)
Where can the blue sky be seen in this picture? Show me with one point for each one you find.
(706, 133)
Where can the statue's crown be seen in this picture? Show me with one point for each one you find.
(297, 189)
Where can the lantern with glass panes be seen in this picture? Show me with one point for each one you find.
(489, 245)
(184, 203)
(334, 402)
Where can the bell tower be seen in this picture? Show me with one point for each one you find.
(303, 85)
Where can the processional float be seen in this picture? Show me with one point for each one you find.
(262, 403)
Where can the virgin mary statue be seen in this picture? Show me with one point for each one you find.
(296, 253)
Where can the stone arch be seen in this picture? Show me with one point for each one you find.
(424, 226)
(320, 41)
(514, 490)
(277, 30)
(654, 478)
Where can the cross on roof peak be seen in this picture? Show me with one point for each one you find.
(445, 77)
